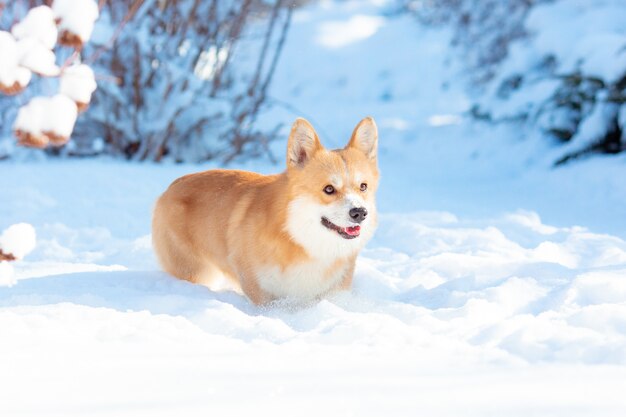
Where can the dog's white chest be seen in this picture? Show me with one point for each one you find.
(301, 282)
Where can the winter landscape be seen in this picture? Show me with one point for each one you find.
(495, 284)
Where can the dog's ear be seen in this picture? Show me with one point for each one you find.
(365, 138)
(303, 143)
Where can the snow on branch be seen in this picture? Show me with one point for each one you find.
(16, 242)
(76, 19)
(31, 48)
(46, 121)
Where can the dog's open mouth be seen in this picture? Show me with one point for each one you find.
(344, 232)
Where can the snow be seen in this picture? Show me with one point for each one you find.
(15, 242)
(38, 24)
(34, 56)
(504, 311)
(8, 64)
(567, 39)
(22, 76)
(10, 72)
(78, 83)
(36, 36)
(341, 33)
(29, 47)
(18, 240)
(6, 274)
(493, 286)
(592, 127)
(76, 16)
(592, 36)
(56, 114)
(23, 55)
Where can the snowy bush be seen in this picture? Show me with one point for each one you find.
(567, 80)
(179, 79)
(482, 29)
(186, 79)
(558, 68)
(16, 242)
(30, 47)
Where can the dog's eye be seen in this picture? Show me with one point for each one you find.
(329, 189)
(363, 187)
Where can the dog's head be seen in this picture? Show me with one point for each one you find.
(332, 210)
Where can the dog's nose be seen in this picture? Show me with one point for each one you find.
(358, 214)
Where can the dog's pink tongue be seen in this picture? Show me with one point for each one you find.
(353, 231)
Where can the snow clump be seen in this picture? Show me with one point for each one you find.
(36, 36)
(38, 24)
(34, 56)
(13, 78)
(18, 240)
(76, 20)
(46, 120)
(28, 47)
(15, 243)
(78, 82)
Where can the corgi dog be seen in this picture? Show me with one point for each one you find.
(292, 236)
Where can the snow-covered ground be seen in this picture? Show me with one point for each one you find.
(448, 315)
(494, 286)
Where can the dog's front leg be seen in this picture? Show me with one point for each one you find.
(346, 282)
(252, 289)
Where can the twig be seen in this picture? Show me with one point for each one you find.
(279, 47)
(18, 6)
(265, 47)
(233, 36)
(109, 78)
(240, 138)
(129, 15)
(69, 60)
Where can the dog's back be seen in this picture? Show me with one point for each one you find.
(192, 219)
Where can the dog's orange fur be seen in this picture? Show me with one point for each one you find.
(234, 223)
